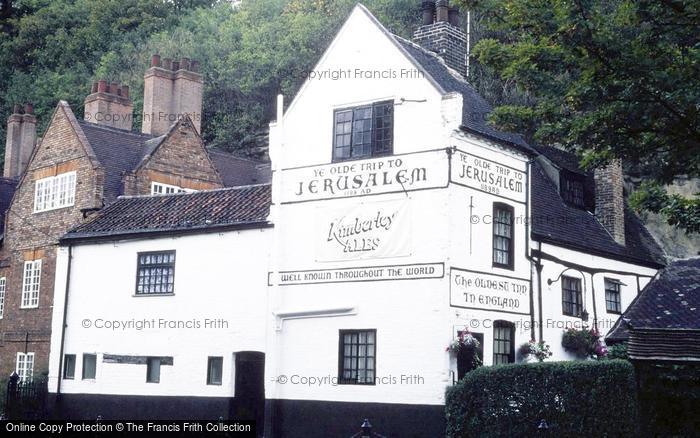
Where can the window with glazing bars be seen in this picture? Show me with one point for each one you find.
(156, 273)
(357, 357)
(502, 236)
(503, 342)
(363, 131)
(572, 300)
(572, 190)
(613, 301)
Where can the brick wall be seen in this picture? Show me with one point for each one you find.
(181, 160)
(448, 41)
(33, 236)
(609, 200)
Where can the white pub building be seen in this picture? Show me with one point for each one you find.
(396, 218)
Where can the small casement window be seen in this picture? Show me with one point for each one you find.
(31, 283)
(167, 189)
(357, 357)
(502, 236)
(54, 192)
(613, 301)
(24, 366)
(571, 296)
(89, 366)
(363, 131)
(153, 370)
(69, 366)
(503, 342)
(215, 366)
(571, 187)
(3, 283)
(156, 273)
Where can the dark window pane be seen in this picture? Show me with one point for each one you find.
(363, 131)
(503, 342)
(358, 353)
(215, 370)
(69, 366)
(572, 299)
(503, 236)
(156, 273)
(89, 366)
(153, 370)
(613, 300)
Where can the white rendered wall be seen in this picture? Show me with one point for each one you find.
(214, 280)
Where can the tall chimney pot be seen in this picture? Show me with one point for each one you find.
(167, 63)
(194, 66)
(114, 88)
(28, 108)
(454, 16)
(428, 8)
(185, 63)
(155, 60)
(443, 10)
(17, 109)
(94, 87)
(176, 65)
(125, 91)
(102, 86)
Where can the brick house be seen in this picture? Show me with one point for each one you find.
(81, 166)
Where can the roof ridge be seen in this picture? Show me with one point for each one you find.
(215, 150)
(117, 130)
(456, 74)
(169, 195)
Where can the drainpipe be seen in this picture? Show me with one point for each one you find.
(63, 325)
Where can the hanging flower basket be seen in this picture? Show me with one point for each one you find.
(538, 350)
(584, 343)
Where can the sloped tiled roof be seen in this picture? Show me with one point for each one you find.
(118, 151)
(670, 301)
(663, 322)
(7, 191)
(181, 212)
(557, 222)
(475, 109)
(237, 171)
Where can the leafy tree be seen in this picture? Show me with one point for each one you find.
(604, 78)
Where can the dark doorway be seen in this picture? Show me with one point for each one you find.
(465, 360)
(249, 402)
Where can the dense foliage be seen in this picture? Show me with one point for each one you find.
(605, 78)
(573, 399)
(54, 49)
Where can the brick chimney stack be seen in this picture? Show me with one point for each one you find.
(171, 90)
(609, 200)
(109, 105)
(21, 139)
(440, 33)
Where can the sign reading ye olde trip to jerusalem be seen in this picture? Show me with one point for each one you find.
(488, 176)
(395, 174)
(363, 231)
(478, 290)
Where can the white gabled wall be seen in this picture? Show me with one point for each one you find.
(213, 281)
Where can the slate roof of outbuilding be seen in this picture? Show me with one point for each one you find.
(670, 301)
(237, 206)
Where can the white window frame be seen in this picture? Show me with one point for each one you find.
(167, 189)
(31, 284)
(25, 367)
(3, 285)
(55, 192)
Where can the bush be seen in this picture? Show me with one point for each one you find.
(574, 399)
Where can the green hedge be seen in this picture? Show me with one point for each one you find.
(574, 398)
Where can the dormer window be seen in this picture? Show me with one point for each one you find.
(572, 189)
(363, 131)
